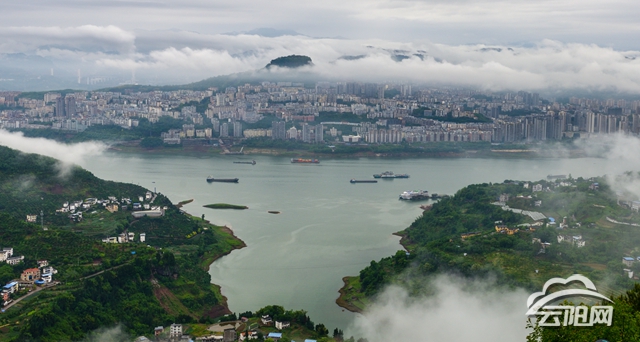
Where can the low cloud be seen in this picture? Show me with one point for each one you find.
(457, 310)
(67, 154)
(623, 168)
(112, 334)
(174, 56)
(548, 65)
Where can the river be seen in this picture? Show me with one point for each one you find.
(327, 229)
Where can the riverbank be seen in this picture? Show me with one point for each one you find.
(422, 150)
(350, 297)
(227, 243)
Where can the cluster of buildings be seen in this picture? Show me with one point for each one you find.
(171, 334)
(412, 114)
(112, 204)
(125, 237)
(231, 331)
(38, 276)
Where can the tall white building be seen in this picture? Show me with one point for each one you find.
(175, 330)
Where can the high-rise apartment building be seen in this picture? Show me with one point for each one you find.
(278, 131)
(224, 129)
(70, 106)
(237, 129)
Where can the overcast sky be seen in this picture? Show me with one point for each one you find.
(560, 43)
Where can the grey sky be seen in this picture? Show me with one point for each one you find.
(607, 23)
(585, 44)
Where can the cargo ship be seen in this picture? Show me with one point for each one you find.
(305, 161)
(224, 180)
(414, 195)
(253, 162)
(390, 175)
(354, 181)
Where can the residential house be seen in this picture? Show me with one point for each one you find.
(274, 336)
(537, 188)
(8, 253)
(266, 320)
(30, 274)
(158, 330)
(229, 335)
(506, 230)
(11, 287)
(15, 260)
(575, 240)
(251, 335)
(282, 325)
(112, 208)
(4, 255)
(175, 330)
(47, 277)
(627, 261)
(49, 269)
(43, 263)
(504, 198)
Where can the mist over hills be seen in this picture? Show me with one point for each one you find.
(94, 57)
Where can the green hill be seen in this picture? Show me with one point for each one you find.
(292, 61)
(459, 235)
(138, 285)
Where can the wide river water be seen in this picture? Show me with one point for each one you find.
(327, 229)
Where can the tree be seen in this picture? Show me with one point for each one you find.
(321, 330)
(151, 142)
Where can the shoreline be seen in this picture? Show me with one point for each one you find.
(200, 150)
(225, 301)
(344, 303)
(207, 260)
(347, 303)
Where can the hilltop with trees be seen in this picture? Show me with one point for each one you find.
(582, 226)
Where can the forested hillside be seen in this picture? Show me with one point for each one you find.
(581, 226)
(136, 284)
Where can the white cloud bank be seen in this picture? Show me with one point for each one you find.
(621, 152)
(459, 310)
(67, 154)
(171, 57)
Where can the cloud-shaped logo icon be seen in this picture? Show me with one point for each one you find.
(538, 300)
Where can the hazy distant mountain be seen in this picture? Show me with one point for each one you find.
(268, 32)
